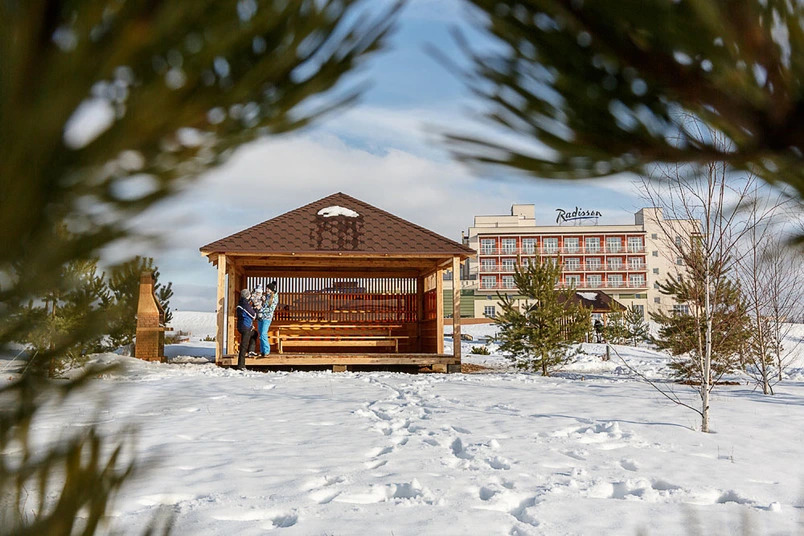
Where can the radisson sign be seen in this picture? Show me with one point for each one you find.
(577, 214)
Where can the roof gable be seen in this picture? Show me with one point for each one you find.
(337, 223)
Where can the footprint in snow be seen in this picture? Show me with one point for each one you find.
(459, 451)
(486, 493)
(629, 465)
(499, 463)
(375, 464)
(576, 454)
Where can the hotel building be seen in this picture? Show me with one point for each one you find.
(625, 261)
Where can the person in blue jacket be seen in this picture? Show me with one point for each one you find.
(245, 325)
(266, 315)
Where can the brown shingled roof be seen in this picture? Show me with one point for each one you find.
(602, 302)
(373, 231)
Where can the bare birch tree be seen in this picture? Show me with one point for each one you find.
(709, 193)
(772, 279)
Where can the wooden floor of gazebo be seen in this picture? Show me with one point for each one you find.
(304, 359)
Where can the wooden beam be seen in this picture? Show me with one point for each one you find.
(219, 335)
(456, 308)
(338, 262)
(419, 311)
(232, 296)
(343, 359)
(340, 273)
(439, 290)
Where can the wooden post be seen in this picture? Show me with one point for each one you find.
(456, 308)
(232, 297)
(419, 312)
(219, 335)
(439, 290)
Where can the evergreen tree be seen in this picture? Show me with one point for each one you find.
(682, 333)
(635, 325)
(178, 86)
(605, 85)
(124, 285)
(615, 331)
(81, 298)
(538, 335)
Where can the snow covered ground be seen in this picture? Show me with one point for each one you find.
(590, 451)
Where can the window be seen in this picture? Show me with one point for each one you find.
(572, 245)
(656, 285)
(654, 253)
(593, 263)
(551, 245)
(508, 245)
(655, 270)
(488, 281)
(653, 236)
(681, 309)
(679, 261)
(615, 281)
(640, 309)
(573, 263)
(508, 281)
(616, 263)
(488, 265)
(678, 241)
(487, 246)
(594, 281)
(636, 280)
(508, 265)
(634, 244)
(529, 246)
(592, 244)
(657, 300)
(489, 311)
(573, 280)
(613, 244)
(636, 263)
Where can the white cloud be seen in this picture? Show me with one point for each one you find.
(274, 176)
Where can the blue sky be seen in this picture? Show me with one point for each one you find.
(385, 151)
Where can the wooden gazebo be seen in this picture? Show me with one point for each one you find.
(357, 286)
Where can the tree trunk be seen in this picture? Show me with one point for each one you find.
(706, 380)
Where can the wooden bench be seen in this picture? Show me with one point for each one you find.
(323, 335)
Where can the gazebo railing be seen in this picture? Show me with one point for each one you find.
(341, 300)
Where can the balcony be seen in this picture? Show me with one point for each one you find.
(562, 251)
(581, 267)
(584, 285)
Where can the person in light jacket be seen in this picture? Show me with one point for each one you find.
(266, 315)
(245, 325)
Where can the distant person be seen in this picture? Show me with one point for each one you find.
(245, 325)
(599, 330)
(265, 316)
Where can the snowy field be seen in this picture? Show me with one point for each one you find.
(590, 451)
